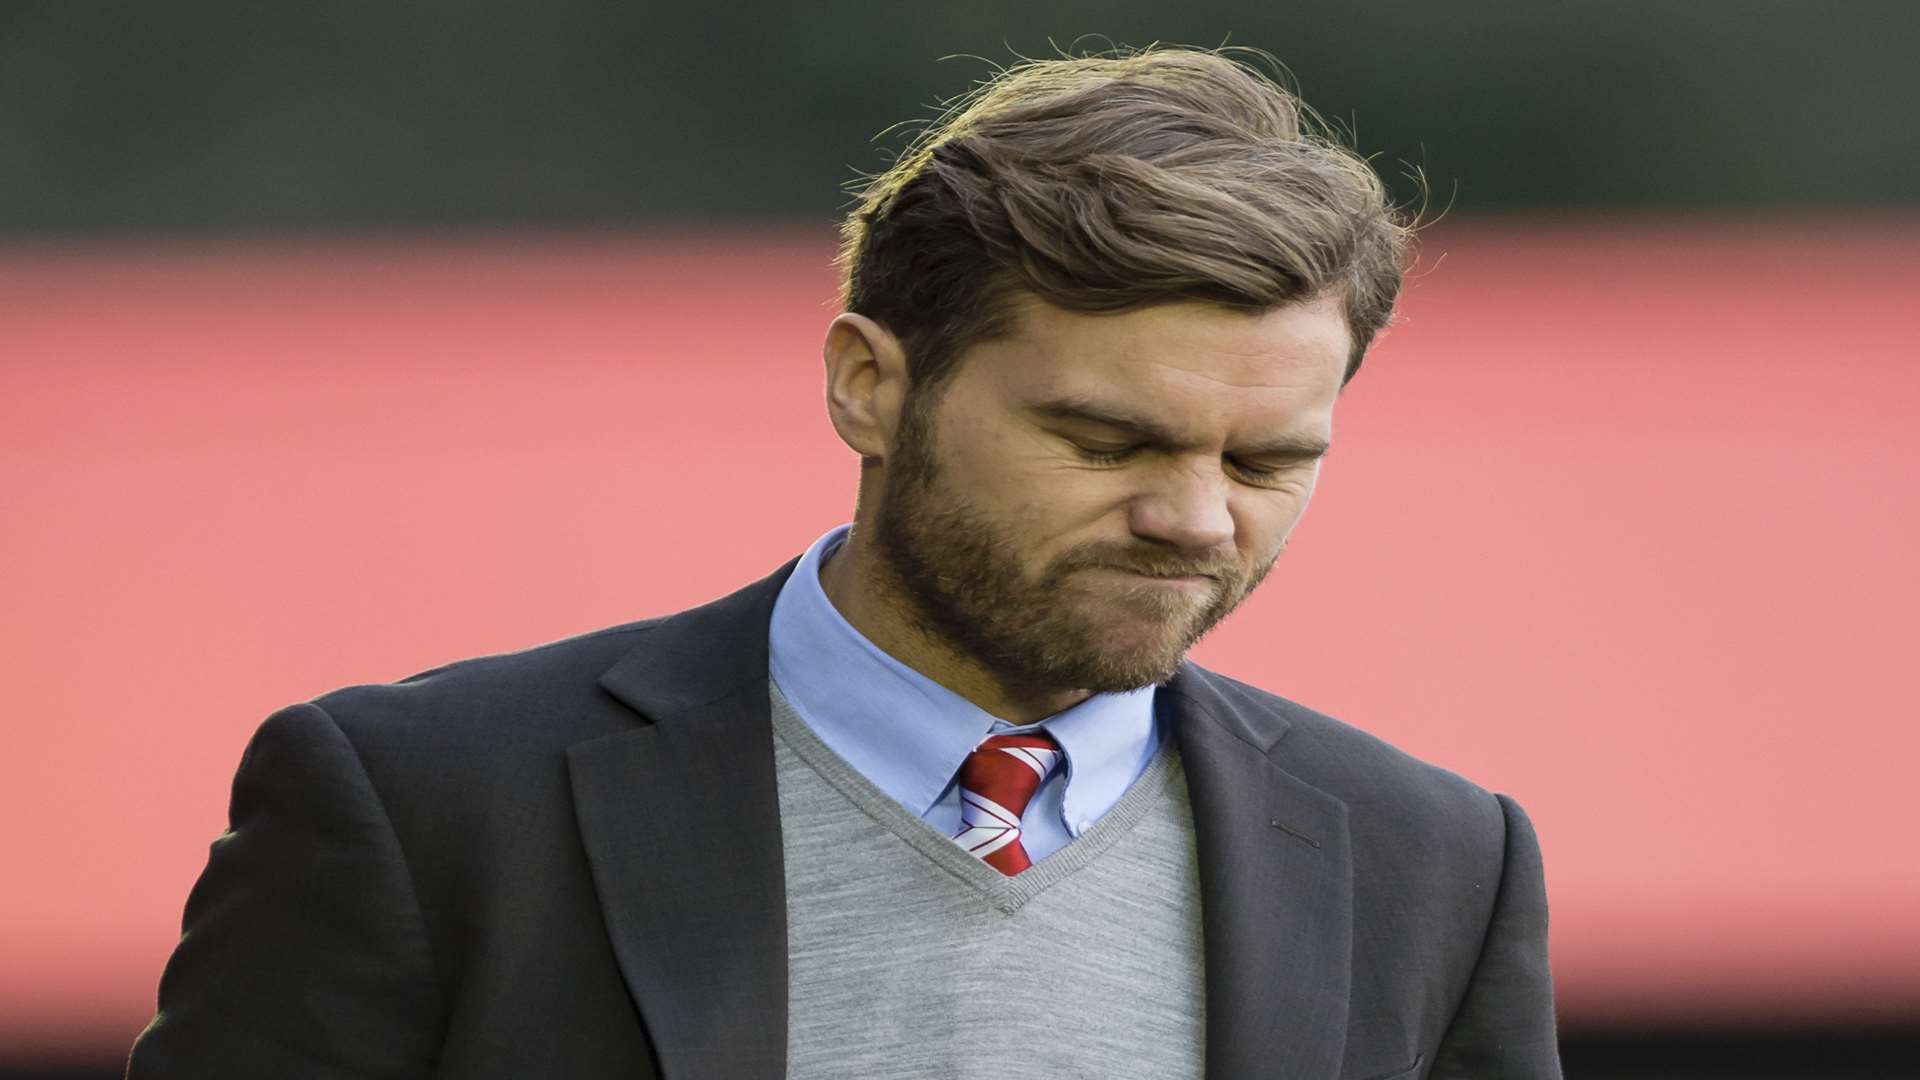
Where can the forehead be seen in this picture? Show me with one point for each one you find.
(1195, 365)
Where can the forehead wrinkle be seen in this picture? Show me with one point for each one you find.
(1257, 368)
(1226, 382)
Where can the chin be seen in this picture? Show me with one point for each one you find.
(1122, 678)
(1123, 664)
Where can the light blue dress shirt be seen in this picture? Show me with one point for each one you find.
(909, 735)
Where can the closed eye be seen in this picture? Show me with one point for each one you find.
(1106, 455)
(1267, 474)
(1255, 473)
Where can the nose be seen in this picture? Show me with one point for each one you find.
(1186, 509)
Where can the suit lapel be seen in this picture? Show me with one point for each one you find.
(680, 818)
(1276, 887)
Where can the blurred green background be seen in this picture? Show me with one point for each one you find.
(360, 115)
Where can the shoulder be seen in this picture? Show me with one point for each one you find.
(582, 685)
(462, 757)
(544, 693)
(1386, 789)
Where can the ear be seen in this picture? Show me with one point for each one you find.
(866, 383)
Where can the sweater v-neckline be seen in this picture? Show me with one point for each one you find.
(1006, 894)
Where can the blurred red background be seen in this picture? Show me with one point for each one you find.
(1621, 519)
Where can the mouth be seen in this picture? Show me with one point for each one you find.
(1171, 581)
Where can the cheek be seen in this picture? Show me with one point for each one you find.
(1080, 501)
(1057, 508)
(1265, 519)
(1044, 512)
(1005, 472)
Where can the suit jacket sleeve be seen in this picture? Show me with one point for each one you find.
(1504, 1029)
(302, 953)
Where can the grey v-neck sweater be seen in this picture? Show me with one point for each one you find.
(908, 957)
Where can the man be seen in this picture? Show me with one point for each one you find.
(941, 797)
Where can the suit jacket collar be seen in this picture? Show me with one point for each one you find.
(689, 659)
(1276, 887)
(680, 818)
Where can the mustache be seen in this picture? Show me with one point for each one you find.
(1152, 563)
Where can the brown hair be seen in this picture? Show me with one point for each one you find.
(1101, 183)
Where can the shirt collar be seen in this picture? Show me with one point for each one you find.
(907, 733)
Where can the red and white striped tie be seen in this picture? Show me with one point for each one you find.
(996, 782)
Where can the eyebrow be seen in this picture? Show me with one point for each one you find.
(1159, 434)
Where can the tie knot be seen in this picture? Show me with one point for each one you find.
(1008, 769)
(997, 781)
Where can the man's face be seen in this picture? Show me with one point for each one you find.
(1092, 493)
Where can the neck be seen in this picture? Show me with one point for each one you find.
(864, 594)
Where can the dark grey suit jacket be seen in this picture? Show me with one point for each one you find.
(565, 862)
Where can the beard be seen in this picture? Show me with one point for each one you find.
(958, 575)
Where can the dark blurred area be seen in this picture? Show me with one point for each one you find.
(143, 120)
(199, 116)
